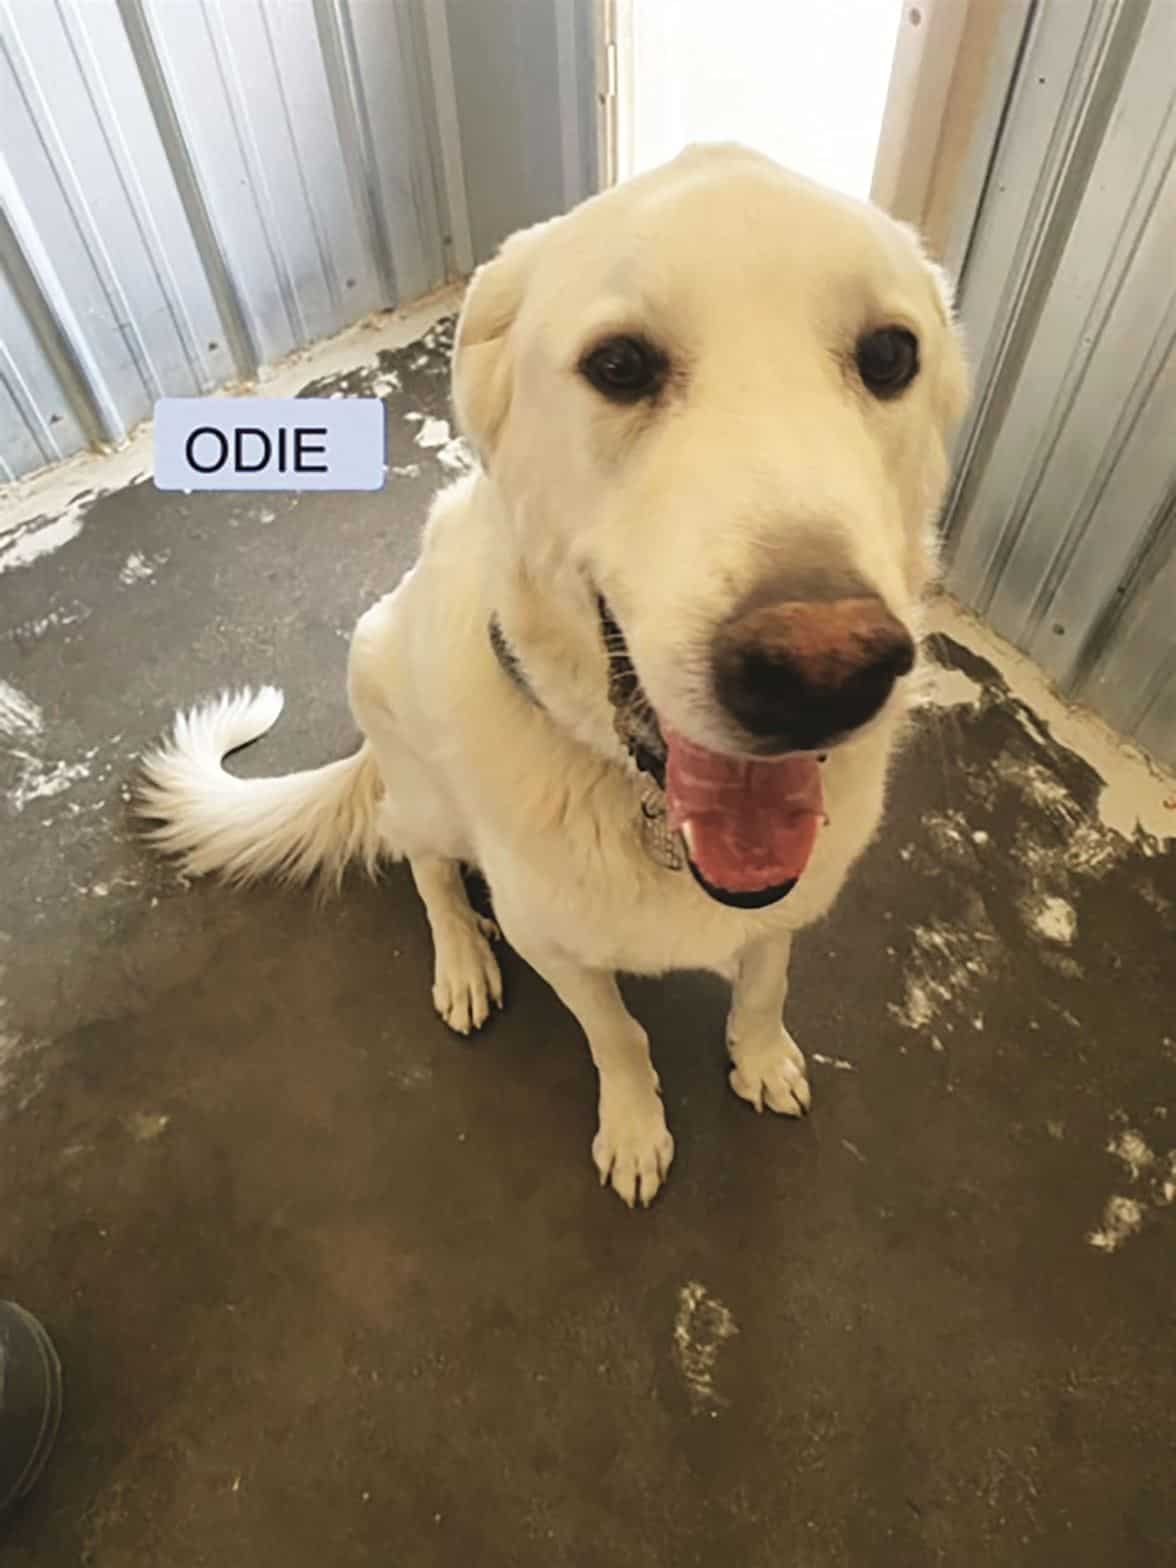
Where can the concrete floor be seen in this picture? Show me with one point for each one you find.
(332, 1287)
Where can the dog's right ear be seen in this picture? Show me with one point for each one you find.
(483, 370)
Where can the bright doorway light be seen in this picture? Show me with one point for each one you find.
(802, 80)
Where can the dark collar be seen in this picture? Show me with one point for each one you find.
(635, 724)
(633, 718)
(510, 662)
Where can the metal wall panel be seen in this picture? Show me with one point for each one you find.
(192, 189)
(525, 90)
(1061, 528)
(37, 422)
(87, 198)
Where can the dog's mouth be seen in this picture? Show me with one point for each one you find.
(749, 825)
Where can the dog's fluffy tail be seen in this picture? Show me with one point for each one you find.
(296, 827)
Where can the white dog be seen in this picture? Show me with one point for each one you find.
(647, 673)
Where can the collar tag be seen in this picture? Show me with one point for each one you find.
(635, 729)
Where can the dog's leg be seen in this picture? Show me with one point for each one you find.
(466, 977)
(632, 1149)
(767, 1065)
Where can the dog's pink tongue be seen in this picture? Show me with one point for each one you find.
(749, 825)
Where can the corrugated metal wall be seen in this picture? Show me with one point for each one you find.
(191, 189)
(1062, 527)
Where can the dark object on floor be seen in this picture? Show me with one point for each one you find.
(30, 1401)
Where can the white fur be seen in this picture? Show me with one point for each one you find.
(766, 453)
(295, 827)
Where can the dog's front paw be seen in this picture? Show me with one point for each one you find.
(467, 982)
(770, 1072)
(633, 1148)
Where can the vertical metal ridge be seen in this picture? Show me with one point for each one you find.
(570, 150)
(45, 299)
(38, 427)
(414, 27)
(322, 250)
(81, 216)
(426, 208)
(452, 199)
(104, 268)
(213, 254)
(254, 168)
(1156, 548)
(1089, 337)
(340, 58)
(1054, 206)
(45, 302)
(1016, 31)
(1144, 386)
(106, 114)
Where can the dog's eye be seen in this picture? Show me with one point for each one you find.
(624, 369)
(888, 360)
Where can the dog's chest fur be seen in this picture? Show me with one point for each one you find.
(548, 811)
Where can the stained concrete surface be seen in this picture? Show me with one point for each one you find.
(332, 1287)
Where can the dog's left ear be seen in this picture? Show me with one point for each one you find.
(954, 383)
(483, 371)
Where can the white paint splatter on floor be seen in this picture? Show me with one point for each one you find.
(407, 470)
(1041, 786)
(140, 568)
(104, 889)
(387, 381)
(1123, 1217)
(34, 630)
(451, 451)
(837, 1062)
(1029, 724)
(1055, 919)
(28, 542)
(22, 1077)
(1134, 801)
(917, 1010)
(146, 1126)
(939, 687)
(433, 433)
(135, 569)
(1132, 1150)
(1088, 850)
(19, 715)
(701, 1328)
(946, 965)
(1151, 894)
(457, 456)
(948, 832)
(41, 780)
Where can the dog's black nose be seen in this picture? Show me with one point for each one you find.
(796, 674)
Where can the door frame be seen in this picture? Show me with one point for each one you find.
(954, 62)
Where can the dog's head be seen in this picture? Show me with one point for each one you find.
(723, 396)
